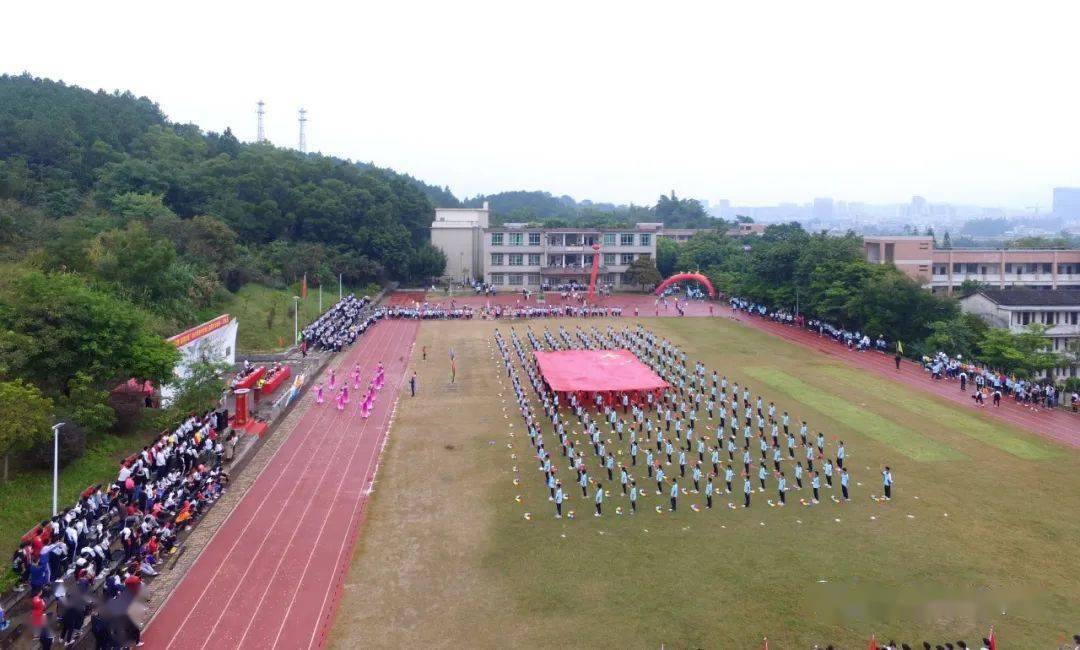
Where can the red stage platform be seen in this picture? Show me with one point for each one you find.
(597, 371)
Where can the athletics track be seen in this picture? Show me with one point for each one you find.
(272, 575)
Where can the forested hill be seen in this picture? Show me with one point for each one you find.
(82, 158)
(551, 210)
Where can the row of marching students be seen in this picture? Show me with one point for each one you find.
(116, 536)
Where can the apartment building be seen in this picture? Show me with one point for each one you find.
(517, 256)
(944, 270)
(1015, 309)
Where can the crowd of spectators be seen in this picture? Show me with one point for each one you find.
(339, 326)
(989, 384)
(91, 558)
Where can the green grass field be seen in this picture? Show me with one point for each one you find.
(981, 530)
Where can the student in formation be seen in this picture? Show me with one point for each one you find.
(746, 489)
(781, 488)
(709, 489)
(674, 493)
(815, 482)
(558, 499)
(887, 482)
(844, 484)
(633, 497)
(599, 499)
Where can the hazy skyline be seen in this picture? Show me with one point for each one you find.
(759, 103)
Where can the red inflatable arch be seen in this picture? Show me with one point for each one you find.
(679, 277)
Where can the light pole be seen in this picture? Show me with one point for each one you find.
(56, 466)
(339, 287)
(296, 319)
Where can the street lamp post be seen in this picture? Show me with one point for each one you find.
(56, 467)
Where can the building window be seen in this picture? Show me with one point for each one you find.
(534, 259)
(516, 239)
(515, 279)
(626, 239)
(516, 259)
(626, 258)
(609, 259)
(956, 267)
(646, 239)
(1046, 267)
(534, 239)
(625, 279)
(534, 279)
(496, 259)
(496, 278)
(611, 278)
(609, 239)
(496, 239)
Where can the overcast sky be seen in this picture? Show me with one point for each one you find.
(757, 102)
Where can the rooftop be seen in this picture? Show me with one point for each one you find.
(1033, 297)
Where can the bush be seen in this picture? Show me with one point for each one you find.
(129, 405)
(72, 446)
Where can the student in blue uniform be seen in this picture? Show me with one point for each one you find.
(633, 453)
(659, 480)
(815, 482)
(761, 474)
(781, 487)
(649, 461)
(709, 489)
(624, 478)
(844, 484)
(840, 453)
(798, 474)
(558, 500)
(729, 475)
(682, 464)
(886, 482)
(583, 481)
(633, 497)
(697, 478)
(674, 494)
(599, 498)
(828, 467)
(746, 489)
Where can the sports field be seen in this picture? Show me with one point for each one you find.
(982, 528)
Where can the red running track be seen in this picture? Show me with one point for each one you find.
(272, 575)
(1058, 425)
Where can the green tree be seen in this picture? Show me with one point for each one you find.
(1023, 353)
(643, 271)
(54, 326)
(86, 405)
(25, 418)
(959, 336)
(667, 254)
(199, 391)
(427, 263)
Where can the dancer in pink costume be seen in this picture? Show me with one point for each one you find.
(369, 400)
(356, 377)
(318, 394)
(345, 392)
(379, 379)
(340, 402)
(333, 379)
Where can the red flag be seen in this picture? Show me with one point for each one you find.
(303, 287)
(873, 642)
(993, 639)
(766, 646)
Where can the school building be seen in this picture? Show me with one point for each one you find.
(1015, 309)
(516, 256)
(944, 270)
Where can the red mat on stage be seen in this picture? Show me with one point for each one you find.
(596, 371)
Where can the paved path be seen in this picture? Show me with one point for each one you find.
(272, 575)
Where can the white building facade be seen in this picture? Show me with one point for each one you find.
(516, 256)
(459, 234)
(1015, 309)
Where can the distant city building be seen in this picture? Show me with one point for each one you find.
(1015, 309)
(943, 270)
(1067, 202)
(823, 209)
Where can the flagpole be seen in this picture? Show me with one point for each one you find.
(339, 287)
(320, 297)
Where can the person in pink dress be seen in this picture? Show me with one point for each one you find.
(345, 392)
(340, 402)
(333, 379)
(319, 394)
